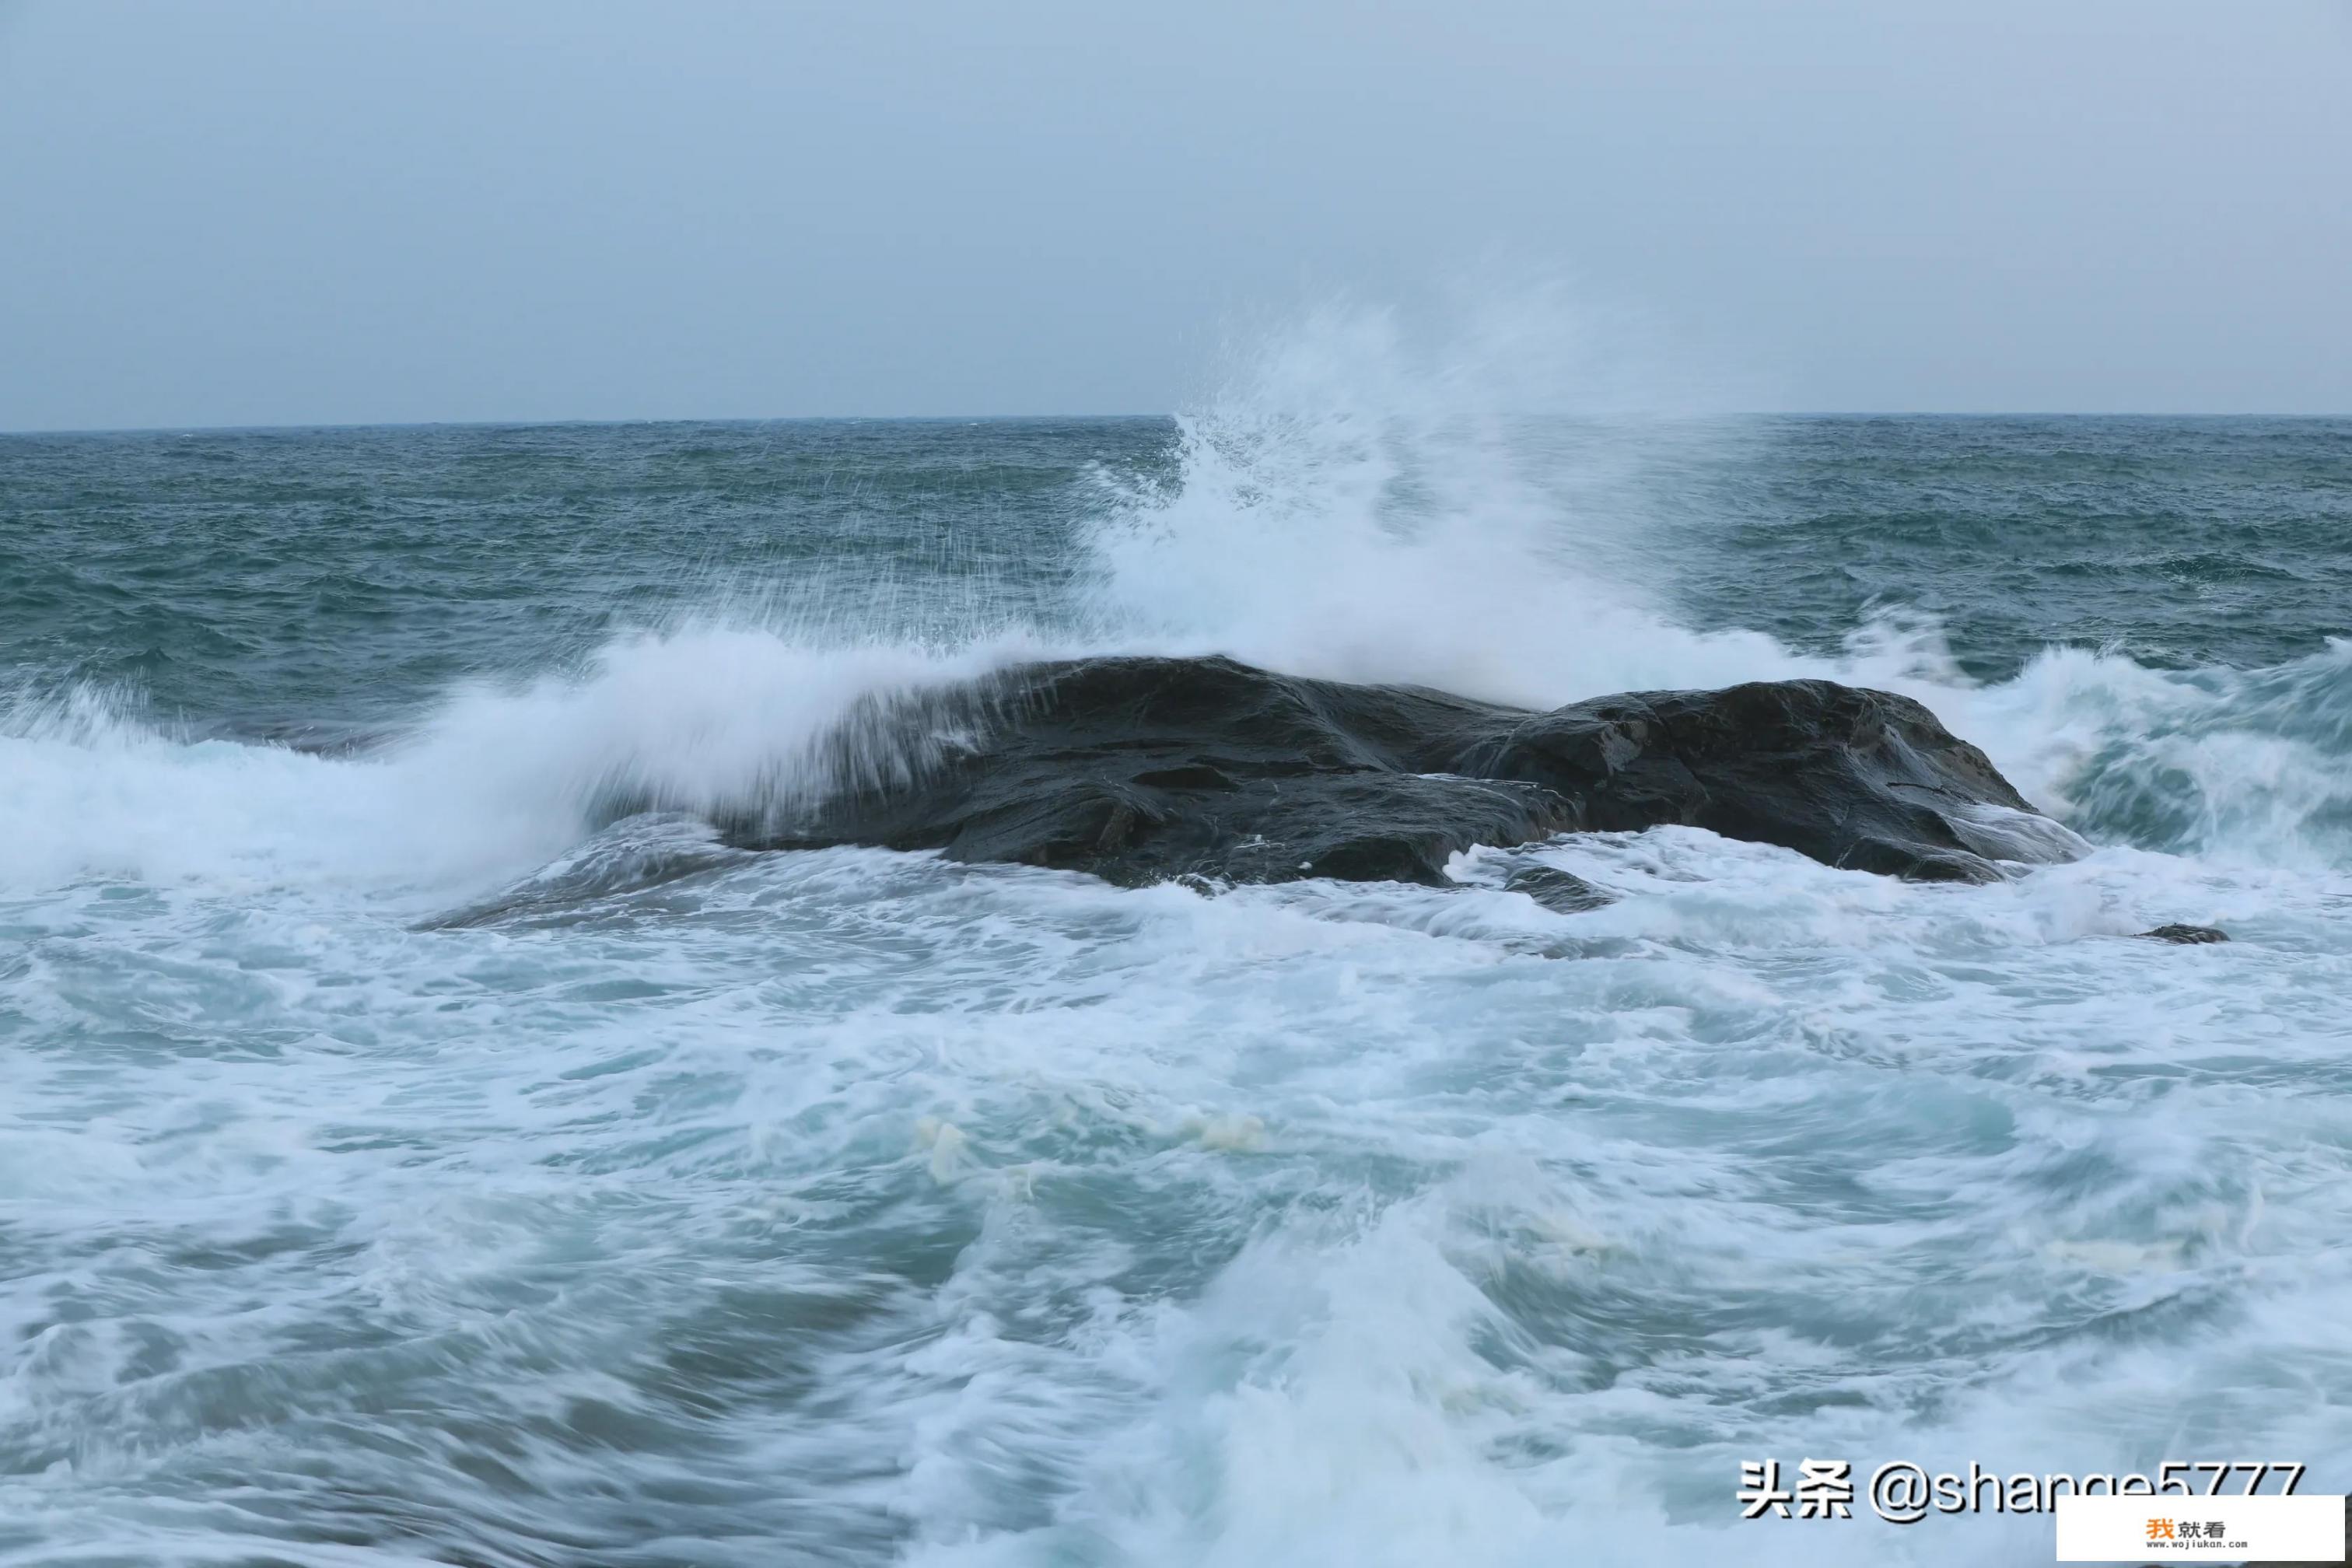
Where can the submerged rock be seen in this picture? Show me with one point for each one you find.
(1555, 890)
(1142, 769)
(2186, 935)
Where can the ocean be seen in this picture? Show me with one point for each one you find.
(410, 1153)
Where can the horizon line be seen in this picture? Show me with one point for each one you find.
(560, 423)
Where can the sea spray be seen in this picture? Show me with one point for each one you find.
(405, 1157)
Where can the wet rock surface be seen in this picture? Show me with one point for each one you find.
(1555, 890)
(2188, 936)
(1142, 769)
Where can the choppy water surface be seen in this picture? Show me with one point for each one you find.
(401, 1160)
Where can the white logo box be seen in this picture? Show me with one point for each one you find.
(2138, 1528)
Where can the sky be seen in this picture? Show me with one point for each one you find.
(268, 213)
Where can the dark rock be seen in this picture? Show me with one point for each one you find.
(1860, 779)
(2187, 935)
(1555, 890)
(1142, 769)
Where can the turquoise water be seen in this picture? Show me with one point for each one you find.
(207, 570)
(402, 1159)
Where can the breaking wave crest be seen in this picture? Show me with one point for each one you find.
(1354, 502)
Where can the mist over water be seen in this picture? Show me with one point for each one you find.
(416, 1152)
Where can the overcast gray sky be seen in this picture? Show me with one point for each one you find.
(259, 213)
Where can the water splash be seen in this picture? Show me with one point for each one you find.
(1361, 497)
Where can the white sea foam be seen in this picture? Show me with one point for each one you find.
(494, 782)
(855, 1205)
(1354, 502)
